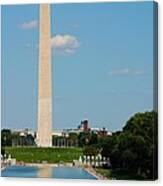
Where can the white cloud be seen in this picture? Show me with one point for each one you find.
(29, 25)
(65, 44)
(125, 71)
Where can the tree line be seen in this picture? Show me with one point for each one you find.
(134, 149)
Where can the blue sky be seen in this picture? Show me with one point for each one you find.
(102, 58)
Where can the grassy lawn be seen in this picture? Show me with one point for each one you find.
(37, 155)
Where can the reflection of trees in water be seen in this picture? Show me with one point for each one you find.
(45, 172)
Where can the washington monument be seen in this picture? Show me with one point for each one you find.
(44, 133)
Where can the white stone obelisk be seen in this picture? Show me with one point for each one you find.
(44, 131)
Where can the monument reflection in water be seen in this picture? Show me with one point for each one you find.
(45, 172)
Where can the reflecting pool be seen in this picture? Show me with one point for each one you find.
(46, 172)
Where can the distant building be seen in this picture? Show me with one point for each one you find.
(57, 133)
(101, 132)
(84, 126)
(24, 132)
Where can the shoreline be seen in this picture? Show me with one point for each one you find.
(92, 171)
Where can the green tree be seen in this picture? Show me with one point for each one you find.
(6, 137)
(73, 138)
(142, 128)
(87, 138)
(83, 138)
(135, 149)
(90, 151)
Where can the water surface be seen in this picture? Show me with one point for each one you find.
(46, 172)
